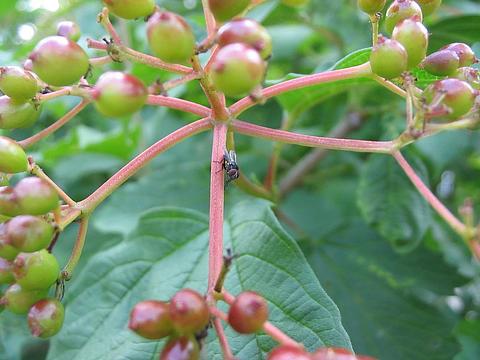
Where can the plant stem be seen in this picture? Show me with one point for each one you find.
(54, 94)
(389, 85)
(375, 21)
(179, 104)
(55, 126)
(288, 137)
(99, 61)
(180, 81)
(216, 205)
(302, 82)
(90, 203)
(209, 19)
(69, 215)
(449, 218)
(152, 61)
(77, 250)
(227, 351)
(104, 19)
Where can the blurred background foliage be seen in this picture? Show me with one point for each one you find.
(405, 284)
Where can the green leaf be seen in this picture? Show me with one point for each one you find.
(464, 28)
(468, 333)
(147, 265)
(388, 201)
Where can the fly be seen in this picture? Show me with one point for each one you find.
(230, 165)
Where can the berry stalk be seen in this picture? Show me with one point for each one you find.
(67, 271)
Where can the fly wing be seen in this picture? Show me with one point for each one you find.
(233, 156)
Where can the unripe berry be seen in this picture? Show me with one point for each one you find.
(170, 37)
(414, 38)
(371, 7)
(457, 95)
(28, 233)
(388, 58)
(35, 196)
(8, 203)
(465, 53)
(130, 9)
(429, 6)
(400, 10)
(237, 69)
(295, 3)
(224, 10)
(45, 318)
(14, 115)
(68, 29)
(182, 348)
(246, 31)
(17, 83)
(248, 313)
(36, 271)
(12, 157)
(470, 75)
(6, 274)
(7, 252)
(288, 352)
(19, 300)
(151, 319)
(59, 61)
(441, 63)
(119, 94)
(188, 311)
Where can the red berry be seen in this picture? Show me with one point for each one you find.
(400, 10)
(151, 319)
(237, 69)
(130, 9)
(14, 115)
(28, 233)
(119, 94)
(414, 38)
(248, 313)
(224, 10)
(6, 274)
(36, 271)
(68, 29)
(182, 348)
(465, 53)
(12, 157)
(19, 300)
(17, 83)
(288, 352)
(246, 31)
(429, 6)
(35, 196)
(371, 7)
(388, 58)
(189, 311)
(45, 318)
(441, 63)
(170, 37)
(59, 61)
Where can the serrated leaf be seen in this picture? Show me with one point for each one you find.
(389, 202)
(168, 251)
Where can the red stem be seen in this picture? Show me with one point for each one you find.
(227, 352)
(179, 104)
(312, 141)
(216, 205)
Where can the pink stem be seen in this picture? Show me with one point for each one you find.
(216, 205)
(227, 352)
(55, 94)
(456, 224)
(55, 126)
(153, 61)
(77, 250)
(209, 19)
(178, 104)
(304, 81)
(312, 141)
(105, 21)
(99, 61)
(90, 203)
(95, 44)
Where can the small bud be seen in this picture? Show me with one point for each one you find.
(68, 29)
(441, 63)
(388, 58)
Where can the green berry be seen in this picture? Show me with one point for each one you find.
(6, 274)
(68, 29)
(17, 83)
(170, 37)
(181, 348)
(246, 31)
(456, 94)
(470, 75)
(465, 53)
(400, 10)
(388, 58)
(413, 35)
(295, 3)
(35, 196)
(28, 233)
(45, 318)
(224, 10)
(8, 202)
(441, 63)
(248, 313)
(237, 69)
(14, 115)
(371, 7)
(188, 311)
(7, 251)
(34, 271)
(288, 352)
(19, 300)
(151, 319)
(59, 61)
(119, 94)
(130, 9)
(429, 6)
(12, 157)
